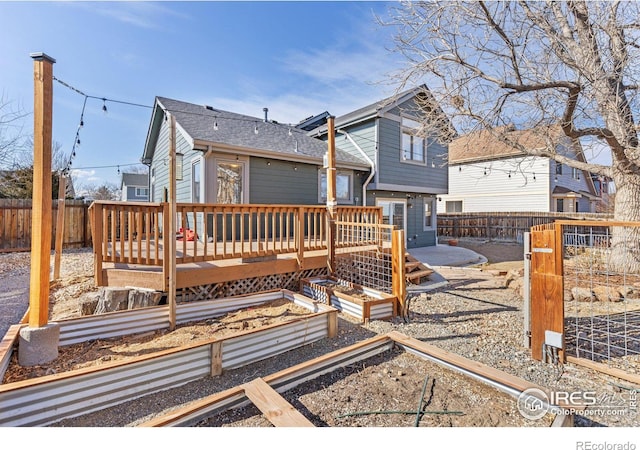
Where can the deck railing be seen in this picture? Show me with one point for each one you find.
(132, 233)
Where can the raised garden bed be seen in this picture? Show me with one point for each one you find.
(359, 301)
(400, 382)
(47, 399)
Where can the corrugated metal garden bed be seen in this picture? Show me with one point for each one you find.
(47, 399)
(362, 302)
(376, 382)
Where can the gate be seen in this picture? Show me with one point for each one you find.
(585, 293)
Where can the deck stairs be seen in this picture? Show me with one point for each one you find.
(415, 271)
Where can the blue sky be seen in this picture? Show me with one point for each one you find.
(297, 58)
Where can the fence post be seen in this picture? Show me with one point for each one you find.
(547, 289)
(398, 280)
(527, 290)
(62, 185)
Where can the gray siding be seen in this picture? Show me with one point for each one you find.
(160, 165)
(276, 182)
(415, 234)
(392, 170)
(279, 183)
(131, 194)
(364, 134)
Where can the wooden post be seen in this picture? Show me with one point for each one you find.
(398, 280)
(41, 210)
(170, 237)
(547, 290)
(62, 188)
(332, 203)
(97, 232)
(300, 237)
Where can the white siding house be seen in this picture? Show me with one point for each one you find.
(487, 175)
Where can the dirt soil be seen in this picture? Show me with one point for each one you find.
(101, 351)
(394, 389)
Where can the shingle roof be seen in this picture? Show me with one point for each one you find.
(135, 179)
(237, 130)
(484, 144)
(372, 109)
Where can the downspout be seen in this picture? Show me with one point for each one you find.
(371, 163)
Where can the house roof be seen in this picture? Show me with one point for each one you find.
(235, 132)
(484, 144)
(379, 107)
(134, 179)
(562, 191)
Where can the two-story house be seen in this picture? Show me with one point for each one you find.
(407, 170)
(225, 157)
(489, 174)
(134, 187)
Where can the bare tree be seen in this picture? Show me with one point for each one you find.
(12, 140)
(534, 65)
(105, 191)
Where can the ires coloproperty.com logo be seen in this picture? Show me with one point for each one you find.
(534, 403)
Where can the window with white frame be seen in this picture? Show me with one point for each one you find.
(452, 206)
(230, 181)
(195, 182)
(558, 168)
(142, 192)
(414, 147)
(344, 186)
(575, 173)
(429, 214)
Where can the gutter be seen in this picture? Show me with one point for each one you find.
(371, 163)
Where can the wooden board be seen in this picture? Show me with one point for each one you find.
(275, 408)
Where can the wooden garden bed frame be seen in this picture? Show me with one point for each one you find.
(378, 305)
(264, 392)
(52, 398)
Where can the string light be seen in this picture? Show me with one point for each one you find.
(255, 130)
(215, 124)
(104, 105)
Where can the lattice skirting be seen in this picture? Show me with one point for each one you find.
(289, 281)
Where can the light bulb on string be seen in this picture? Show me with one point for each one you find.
(215, 124)
(534, 176)
(104, 105)
(78, 141)
(255, 130)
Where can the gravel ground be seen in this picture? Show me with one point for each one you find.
(474, 316)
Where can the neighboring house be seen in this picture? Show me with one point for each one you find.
(134, 187)
(489, 175)
(407, 172)
(224, 157)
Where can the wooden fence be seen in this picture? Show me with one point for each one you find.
(15, 225)
(508, 226)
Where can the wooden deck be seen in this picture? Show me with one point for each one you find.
(196, 273)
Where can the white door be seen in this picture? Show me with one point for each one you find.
(394, 212)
